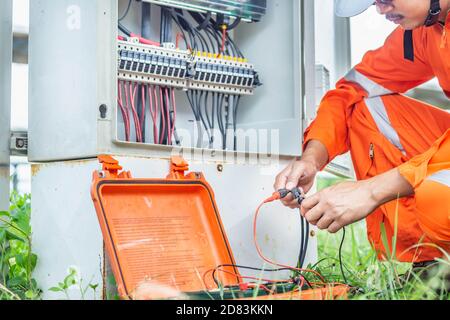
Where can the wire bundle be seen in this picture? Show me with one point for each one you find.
(210, 108)
(299, 280)
(216, 114)
(162, 105)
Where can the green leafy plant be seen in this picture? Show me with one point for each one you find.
(17, 261)
(73, 280)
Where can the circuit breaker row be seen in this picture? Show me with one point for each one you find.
(223, 74)
(177, 68)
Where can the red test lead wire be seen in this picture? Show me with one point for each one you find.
(276, 196)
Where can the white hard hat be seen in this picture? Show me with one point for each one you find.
(351, 8)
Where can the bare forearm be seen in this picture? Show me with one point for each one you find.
(389, 186)
(317, 153)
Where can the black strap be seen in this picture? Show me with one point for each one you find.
(432, 19)
(433, 15)
(408, 44)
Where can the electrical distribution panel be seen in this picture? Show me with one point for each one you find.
(137, 80)
(225, 76)
(195, 53)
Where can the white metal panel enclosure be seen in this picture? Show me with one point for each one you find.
(5, 99)
(75, 73)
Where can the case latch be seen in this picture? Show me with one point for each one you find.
(110, 165)
(178, 168)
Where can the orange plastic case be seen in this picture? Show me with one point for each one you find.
(166, 235)
(164, 231)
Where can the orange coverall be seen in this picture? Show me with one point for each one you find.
(367, 115)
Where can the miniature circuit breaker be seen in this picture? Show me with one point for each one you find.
(152, 65)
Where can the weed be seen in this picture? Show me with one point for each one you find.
(74, 281)
(17, 261)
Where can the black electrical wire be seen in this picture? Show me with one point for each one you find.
(306, 233)
(183, 23)
(182, 32)
(302, 242)
(213, 121)
(340, 256)
(124, 29)
(235, 113)
(253, 269)
(233, 44)
(211, 40)
(209, 120)
(220, 120)
(126, 11)
(203, 22)
(200, 112)
(235, 23)
(163, 121)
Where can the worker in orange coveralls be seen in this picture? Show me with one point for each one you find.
(400, 147)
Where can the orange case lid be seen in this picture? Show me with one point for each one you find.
(164, 231)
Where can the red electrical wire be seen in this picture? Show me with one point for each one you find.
(145, 41)
(169, 124)
(161, 100)
(133, 91)
(179, 36)
(143, 109)
(224, 38)
(128, 108)
(276, 197)
(124, 111)
(174, 103)
(153, 112)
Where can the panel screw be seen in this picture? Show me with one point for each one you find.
(103, 110)
(220, 168)
(20, 143)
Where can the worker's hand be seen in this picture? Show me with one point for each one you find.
(340, 205)
(301, 174)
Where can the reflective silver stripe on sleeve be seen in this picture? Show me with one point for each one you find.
(442, 177)
(372, 88)
(378, 111)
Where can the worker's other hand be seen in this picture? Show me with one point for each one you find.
(299, 174)
(339, 206)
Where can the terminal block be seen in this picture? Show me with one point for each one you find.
(152, 65)
(176, 68)
(223, 74)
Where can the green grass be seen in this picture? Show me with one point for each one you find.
(377, 280)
